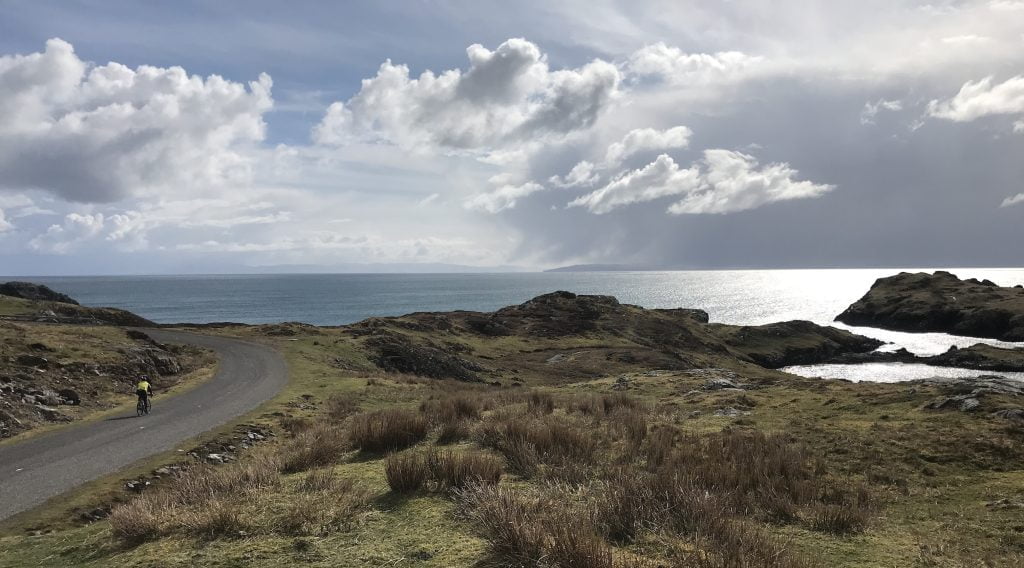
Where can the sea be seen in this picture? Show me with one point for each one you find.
(742, 297)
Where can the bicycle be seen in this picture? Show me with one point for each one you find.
(142, 407)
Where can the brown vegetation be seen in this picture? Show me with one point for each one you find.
(388, 430)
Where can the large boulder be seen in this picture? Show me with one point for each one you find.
(941, 302)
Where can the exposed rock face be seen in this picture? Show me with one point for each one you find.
(941, 302)
(967, 394)
(82, 372)
(782, 344)
(982, 357)
(30, 291)
(396, 353)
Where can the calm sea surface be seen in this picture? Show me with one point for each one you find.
(729, 296)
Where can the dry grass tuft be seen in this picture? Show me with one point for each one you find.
(507, 522)
(458, 470)
(139, 520)
(318, 446)
(388, 430)
(406, 472)
(455, 431)
(217, 518)
(339, 408)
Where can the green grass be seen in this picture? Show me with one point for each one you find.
(933, 472)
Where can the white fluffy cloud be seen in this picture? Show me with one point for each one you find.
(5, 225)
(673, 65)
(661, 178)
(871, 110)
(647, 139)
(1012, 200)
(504, 197)
(63, 238)
(506, 96)
(724, 181)
(582, 174)
(733, 182)
(977, 99)
(100, 133)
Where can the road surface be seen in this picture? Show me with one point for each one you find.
(47, 465)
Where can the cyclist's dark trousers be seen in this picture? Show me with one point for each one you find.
(143, 396)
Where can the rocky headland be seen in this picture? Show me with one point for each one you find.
(25, 301)
(941, 302)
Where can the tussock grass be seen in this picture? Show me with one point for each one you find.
(454, 470)
(317, 446)
(406, 472)
(388, 430)
(508, 524)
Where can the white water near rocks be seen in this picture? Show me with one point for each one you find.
(742, 297)
(889, 372)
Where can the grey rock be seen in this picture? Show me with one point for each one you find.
(69, 396)
(622, 383)
(1009, 414)
(49, 398)
(721, 383)
(969, 404)
(29, 360)
(51, 414)
(731, 412)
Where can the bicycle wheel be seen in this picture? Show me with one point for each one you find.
(140, 408)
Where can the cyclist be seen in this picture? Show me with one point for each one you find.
(144, 390)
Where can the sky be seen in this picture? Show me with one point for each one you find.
(238, 136)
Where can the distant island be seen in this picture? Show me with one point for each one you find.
(606, 268)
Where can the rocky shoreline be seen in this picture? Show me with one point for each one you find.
(941, 302)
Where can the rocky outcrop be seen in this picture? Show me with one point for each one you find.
(967, 394)
(81, 372)
(30, 291)
(941, 302)
(981, 357)
(399, 354)
(597, 334)
(782, 344)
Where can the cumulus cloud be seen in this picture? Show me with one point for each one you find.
(1018, 126)
(674, 65)
(733, 182)
(63, 238)
(1012, 200)
(101, 133)
(871, 110)
(504, 197)
(661, 178)
(581, 175)
(977, 99)
(506, 96)
(647, 139)
(724, 181)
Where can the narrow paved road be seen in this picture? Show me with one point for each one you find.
(50, 464)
